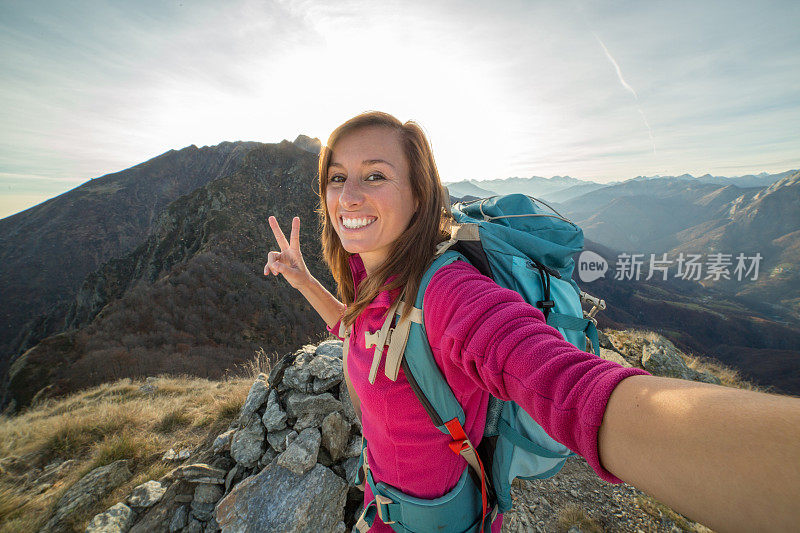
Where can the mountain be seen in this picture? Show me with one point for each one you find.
(560, 187)
(47, 251)
(191, 298)
(468, 188)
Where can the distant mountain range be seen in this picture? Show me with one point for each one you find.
(564, 188)
(158, 268)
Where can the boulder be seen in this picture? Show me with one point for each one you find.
(335, 434)
(146, 495)
(85, 493)
(247, 445)
(255, 399)
(279, 500)
(117, 519)
(301, 455)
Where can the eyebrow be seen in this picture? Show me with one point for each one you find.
(365, 162)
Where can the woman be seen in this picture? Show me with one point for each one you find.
(725, 457)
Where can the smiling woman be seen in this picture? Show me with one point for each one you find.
(383, 212)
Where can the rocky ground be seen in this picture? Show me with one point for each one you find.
(578, 500)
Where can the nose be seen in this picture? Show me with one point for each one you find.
(351, 194)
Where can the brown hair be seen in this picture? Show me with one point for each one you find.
(412, 252)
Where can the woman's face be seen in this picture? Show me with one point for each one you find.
(368, 195)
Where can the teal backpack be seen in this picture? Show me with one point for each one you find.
(528, 249)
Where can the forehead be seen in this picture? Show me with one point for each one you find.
(369, 144)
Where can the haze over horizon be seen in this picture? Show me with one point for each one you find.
(589, 89)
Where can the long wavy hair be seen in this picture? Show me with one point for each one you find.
(412, 252)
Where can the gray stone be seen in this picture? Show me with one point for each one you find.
(298, 376)
(194, 526)
(301, 455)
(298, 404)
(223, 441)
(335, 433)
(198, 473)
(611, 355)
(230, 476)
(207, 493)
(202, 511)
(353, 446)
(347, 406)
(705, 377)
(663, 359)
(326, 367)
(322, 385)
(117, 519)
(212, 526)
(278, 500)
(247, 445)
(90, 489)
(255, 399)
(350, 469)
(268, 457)
(308, 420)
(274, 418)
(179, 519)
(146, 495)
(331, 347)
(278, 439)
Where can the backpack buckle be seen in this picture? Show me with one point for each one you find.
(545, 304)
(380, 502)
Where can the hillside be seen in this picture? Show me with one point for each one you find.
(48, 250)
(192, 298)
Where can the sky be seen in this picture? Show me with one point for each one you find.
(598, 90)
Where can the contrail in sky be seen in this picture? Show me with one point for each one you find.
(629, 88)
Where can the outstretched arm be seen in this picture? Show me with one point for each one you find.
(728, 458)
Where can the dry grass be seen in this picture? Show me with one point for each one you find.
(101, 425)
(730, 377)
(573, 515)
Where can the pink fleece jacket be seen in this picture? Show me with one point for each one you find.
(485, 339)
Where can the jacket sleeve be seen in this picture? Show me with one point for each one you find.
(334, 330)
(504, 345)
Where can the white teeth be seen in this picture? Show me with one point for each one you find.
(355, 223)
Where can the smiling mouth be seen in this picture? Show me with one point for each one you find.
(357, 223)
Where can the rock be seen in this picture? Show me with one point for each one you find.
(198, 473)
(172, 455)
(146, 495)
(298, 376)
(117, 519)
(351, 469)
(268, 457)
(335, 433)
(274, 418)
(278, 370)
(202, 511)
(298, 404)
(705, 377)
(279, 439)
(308, 420)
(194, 526)
(322, 385)
(326, 367)
(207, 493)
(611, 355)
(332, 348)
(255, 399)
(347, 406)
(179, 519)
(301, 455)
(55, 470)
(353, 447)
(247, 445)
(276, 499)
(663, 359)
(212, 526)
(90, 489)
(223, 442)
(229, 478)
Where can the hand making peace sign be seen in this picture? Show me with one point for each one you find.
(289, 261)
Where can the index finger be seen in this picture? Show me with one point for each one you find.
(279, 236)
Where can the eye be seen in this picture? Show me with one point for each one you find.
(336, 179)
(375, 175)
